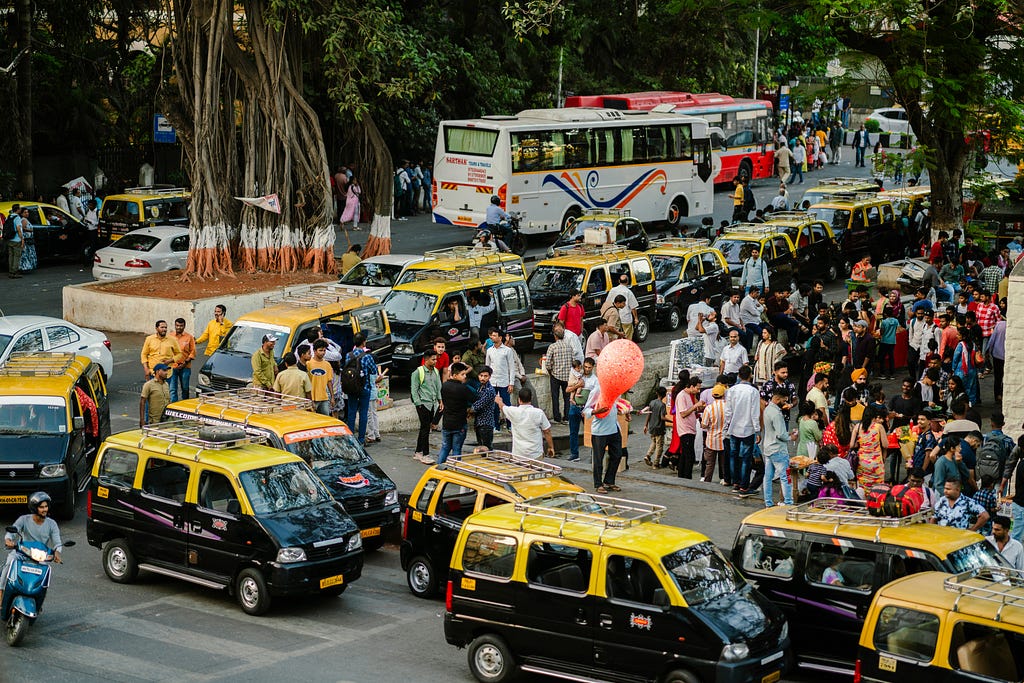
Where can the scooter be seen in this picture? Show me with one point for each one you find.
(26, 587)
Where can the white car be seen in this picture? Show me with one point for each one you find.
(39, 333)
(891, 119)
(143, 251)
(376, 275)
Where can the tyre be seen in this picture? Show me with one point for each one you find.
(66, 512)
(748, 168)
(517, 243)
(676, 211)
(119, 562)
(251, 591)
(334, 591)
(675, 318)
(680, 676)
(642, 329)
(16, 628)
(220, 434)
(833, 272)
(490, 660)
(421, 577)
(572, 214)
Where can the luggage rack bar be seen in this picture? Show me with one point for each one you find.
(472, 273)
(847, 180)
(1005, 587)
(588, 249)
(841, 511)
(754, 228)
(254, 401)
(188, 433)
(849, 196)
(37, 364)
(601, 512)
(459, 251)
(314, 297)
(501, 467)
(151, 189)
(680, 242)
(789, 216)
(621, 213)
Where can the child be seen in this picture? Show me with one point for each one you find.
(816, 470)
(656, 411)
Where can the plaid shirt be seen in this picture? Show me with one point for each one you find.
(988, 316)
(559, 360)
(369, 367)
(991, 277)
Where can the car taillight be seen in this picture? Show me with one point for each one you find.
(88, 504)
(448, 597)
(96, 258)
(137, 263)
(405, 523)
(106, 342)
(856, 671)
(503, 195)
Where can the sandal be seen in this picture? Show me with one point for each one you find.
(613, 487)
(601, 489)
(647, 461)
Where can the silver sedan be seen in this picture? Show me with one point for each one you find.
(143, 251)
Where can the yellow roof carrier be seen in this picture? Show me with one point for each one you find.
(843, 512)
(155, 189)
(37, 364)
(461, 275)
(790, 216)
(850, 197)
(314, 297)
(621, 213)
(754, 228)
(612, 250)
(598, 512)
(680, 242)
(994, 584)
(197, 434)
(254, 401)
(841, 181)
(501, 467)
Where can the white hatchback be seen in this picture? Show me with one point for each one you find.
(38, 333)
(891, 119)
(143, 251)
(376, 275)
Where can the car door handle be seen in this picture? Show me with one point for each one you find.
(605, 620)
(581, 617)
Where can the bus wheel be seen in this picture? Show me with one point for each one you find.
(746, 167)
(571, 215)
(676, 210)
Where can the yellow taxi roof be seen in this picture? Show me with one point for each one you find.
(280, 422)
(916, 191)
(751, 236)
(682, 252)
(591, 258)
(440, 260)
(5, 207)
(145, 196)
(439, 286)
(290, 316)
(933, 538)
(44, 384)
(928, 589)
(234, 460)
(844, 202)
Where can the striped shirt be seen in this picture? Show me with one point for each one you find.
(713, 422)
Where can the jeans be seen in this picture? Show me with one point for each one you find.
(506, 398)
(575, 421)
(1017, 530)
(947, 290)
(741, 456)
(322, 407)
(798, 170)
(887, 352)
(559, 399)
(184, 376)
(357, 406)
(611, 443)
(484, 435)
(451, 443)
(971, 386)
(777, 462)
(860, 155)
(426, 416)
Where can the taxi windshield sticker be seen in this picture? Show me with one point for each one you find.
(318, 433)
(640, 621)
(356, 481)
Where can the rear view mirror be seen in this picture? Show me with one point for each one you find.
(660, 598)
(78, 422)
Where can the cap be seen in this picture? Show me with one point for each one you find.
(161, 366)
(718, 391)
(858, 373)
(860, 323)
(269, 337)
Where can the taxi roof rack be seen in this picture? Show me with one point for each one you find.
(790, 216)
(313, 297)
(680, 242)
(754, 228)
(600, 512)
(621, 213)
(37, 364)
(590, 249)
(501, 467)
(254, 401)
(1001, 585)
(850, 196)
(841, 511)
(460, 251)
(847, 180)
(472, 273)
(189, 433)
(155, 189)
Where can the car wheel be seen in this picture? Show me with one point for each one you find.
(119, 562)
(252, 593)
(675, 318)
(421, 578)
(680, 676)
(572, 214)
(66, 512)
(642, 329)
(833, 272)
(490, 660)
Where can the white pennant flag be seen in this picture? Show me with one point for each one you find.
(268, 202)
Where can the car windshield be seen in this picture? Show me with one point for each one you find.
(702, 573)
(837, 218)
(735, 251)
(137, 242)
(547, 279)
(410, 307)
(33, 415)
(287, 486)
(576, 230)
(975, 556)
(813, 196)
(666, 268)
(247, 339)
(326, 447)
(372, 274)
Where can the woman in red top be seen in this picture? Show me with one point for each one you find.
(571, 314)
(839, 431)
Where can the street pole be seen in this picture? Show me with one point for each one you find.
(757, 51)
(558, 96)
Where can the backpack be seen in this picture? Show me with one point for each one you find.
(749, 203)
(992, 458)
(903, 501)
(874, 500)
(353, 376)
(9, 231)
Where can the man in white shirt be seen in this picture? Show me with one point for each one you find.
(531, 430)
(573, 340)
(477, 311)
(62, 201)
(77, 209)
(1011, 550)
(501, 359)
(713, 343)
(694, 313)
(627, 314)
(743, 425)
(733, 356)
(751, 309)
(730, 314)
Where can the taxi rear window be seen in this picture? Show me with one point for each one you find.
(490, 554)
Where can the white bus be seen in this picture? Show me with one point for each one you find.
(554, 164)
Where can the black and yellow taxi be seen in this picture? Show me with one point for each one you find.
(906, 201)
(435, 304)
(817, 252)
(603, 226)
(215, 507)
(821, 563)
(828, 186)
(773, 245)
(684, 270)
(54, 414)
(143, 207)
(448, 493)
(864, 224)
(56, 234)
(461, 257)
(592, 270)
(327, 445)
(935, 626)
(292, 317)
(590, 588)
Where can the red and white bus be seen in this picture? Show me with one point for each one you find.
(746, 124)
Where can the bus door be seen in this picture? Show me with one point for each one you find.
(702, 158)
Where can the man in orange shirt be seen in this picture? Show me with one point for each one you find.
(183, 366)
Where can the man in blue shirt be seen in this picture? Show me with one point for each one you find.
(957, 510)
(495, 214)
(359, 406)
(605, 437)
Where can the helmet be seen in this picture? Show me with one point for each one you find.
(36, 499)
(495, 199)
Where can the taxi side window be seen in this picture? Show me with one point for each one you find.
(490, 554)
(901, 565)
(805, 238)
(874, 216)
(559, 567)
(857, 219)
(165, 479)
(906, 632)
(987, 651)
(781, 246)
(455, 502)
(839, 567)
(819, 232)
(118, 468)
(633, 580)
(513, 299)
(426, 493)
(643, 272)
(598, 282)
(692, 270)
(710, 262)
(371, 322)
(618, 270)
(770, 556)
(217, 493)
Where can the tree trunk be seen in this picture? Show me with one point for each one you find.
(24, 174)
(375, 155)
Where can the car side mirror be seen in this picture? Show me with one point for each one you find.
(660, 598)
(78, 422)
(233, 507)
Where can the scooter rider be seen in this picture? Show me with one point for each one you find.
(38, 527)
(495, 214)
(485, 241)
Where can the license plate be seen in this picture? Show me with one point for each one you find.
(772, 677)
(536, 335)
(11, 500)
(332, 581)
(367, 533)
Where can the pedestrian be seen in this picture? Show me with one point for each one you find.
(808, 430)
(155, 396)
(353, 195)
(775, 446)
(29, 257)
(473, 357)
(321, 375)
(359, 404)
(502, 361)
(1012, 550)
(76, 205)
(159, 348)
(14, 240)
(799, 160)
(579, 390)
(559, 358)
(733, 356)
(571, 313)
(783, 160)
(61, 200)
(612, 315)
(743, 425)
(871, 441)
(350, 259)
(91, 222)
(457, 399)
(484, 408)
(606, 439)
(531, 430)
(654, 426)
(997, 352)
(215, 330)
(291, 381)
(628, 313)
(182, 367)
(425, 390)
(477, 311)
(687, 407)
(957, 510)
(860, 145)
(755, 272)
(738, 214)
(264, 368)
(712, 420)
(443, 359)
(768, 356)
(598, 339)
(965, 367)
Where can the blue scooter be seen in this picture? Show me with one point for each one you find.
(26, 587)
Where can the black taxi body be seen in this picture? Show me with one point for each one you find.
(592, 270)
(773, 243)
(141, 207)
(213, 507)
(864, 225)
(448, 493)
(327, 445)
(591, 588)
(821, 563)
(684, 271)
(56, 234)
(54, 414)
(603, 226)
(817, 252)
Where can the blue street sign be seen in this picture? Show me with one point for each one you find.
(783, 102)
(163, 131)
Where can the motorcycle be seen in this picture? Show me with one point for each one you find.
(508, 232)
(26, 587)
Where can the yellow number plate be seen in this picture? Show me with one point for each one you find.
(332, 581)
(367, 533)
(772, 677)
(887, 663)
(102, 492)
(536, 335)
(468, 584)
(10, 500)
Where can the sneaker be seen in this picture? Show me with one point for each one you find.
(745, 493)
(573, 458)
(724, 483)
(647, 461)
(427, 460)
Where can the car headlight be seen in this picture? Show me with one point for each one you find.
(291, 555)
(403, 349)
(659, 299)
(204, 379)
(391, 498)
(354, 543)
(50, 471)
(784, 633)
(733, 652)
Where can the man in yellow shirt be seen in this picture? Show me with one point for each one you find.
(351, 259)
(215, 329)
(321, 374)
(264, 369)
(292, 381)
(159, 348)
(738, 214)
